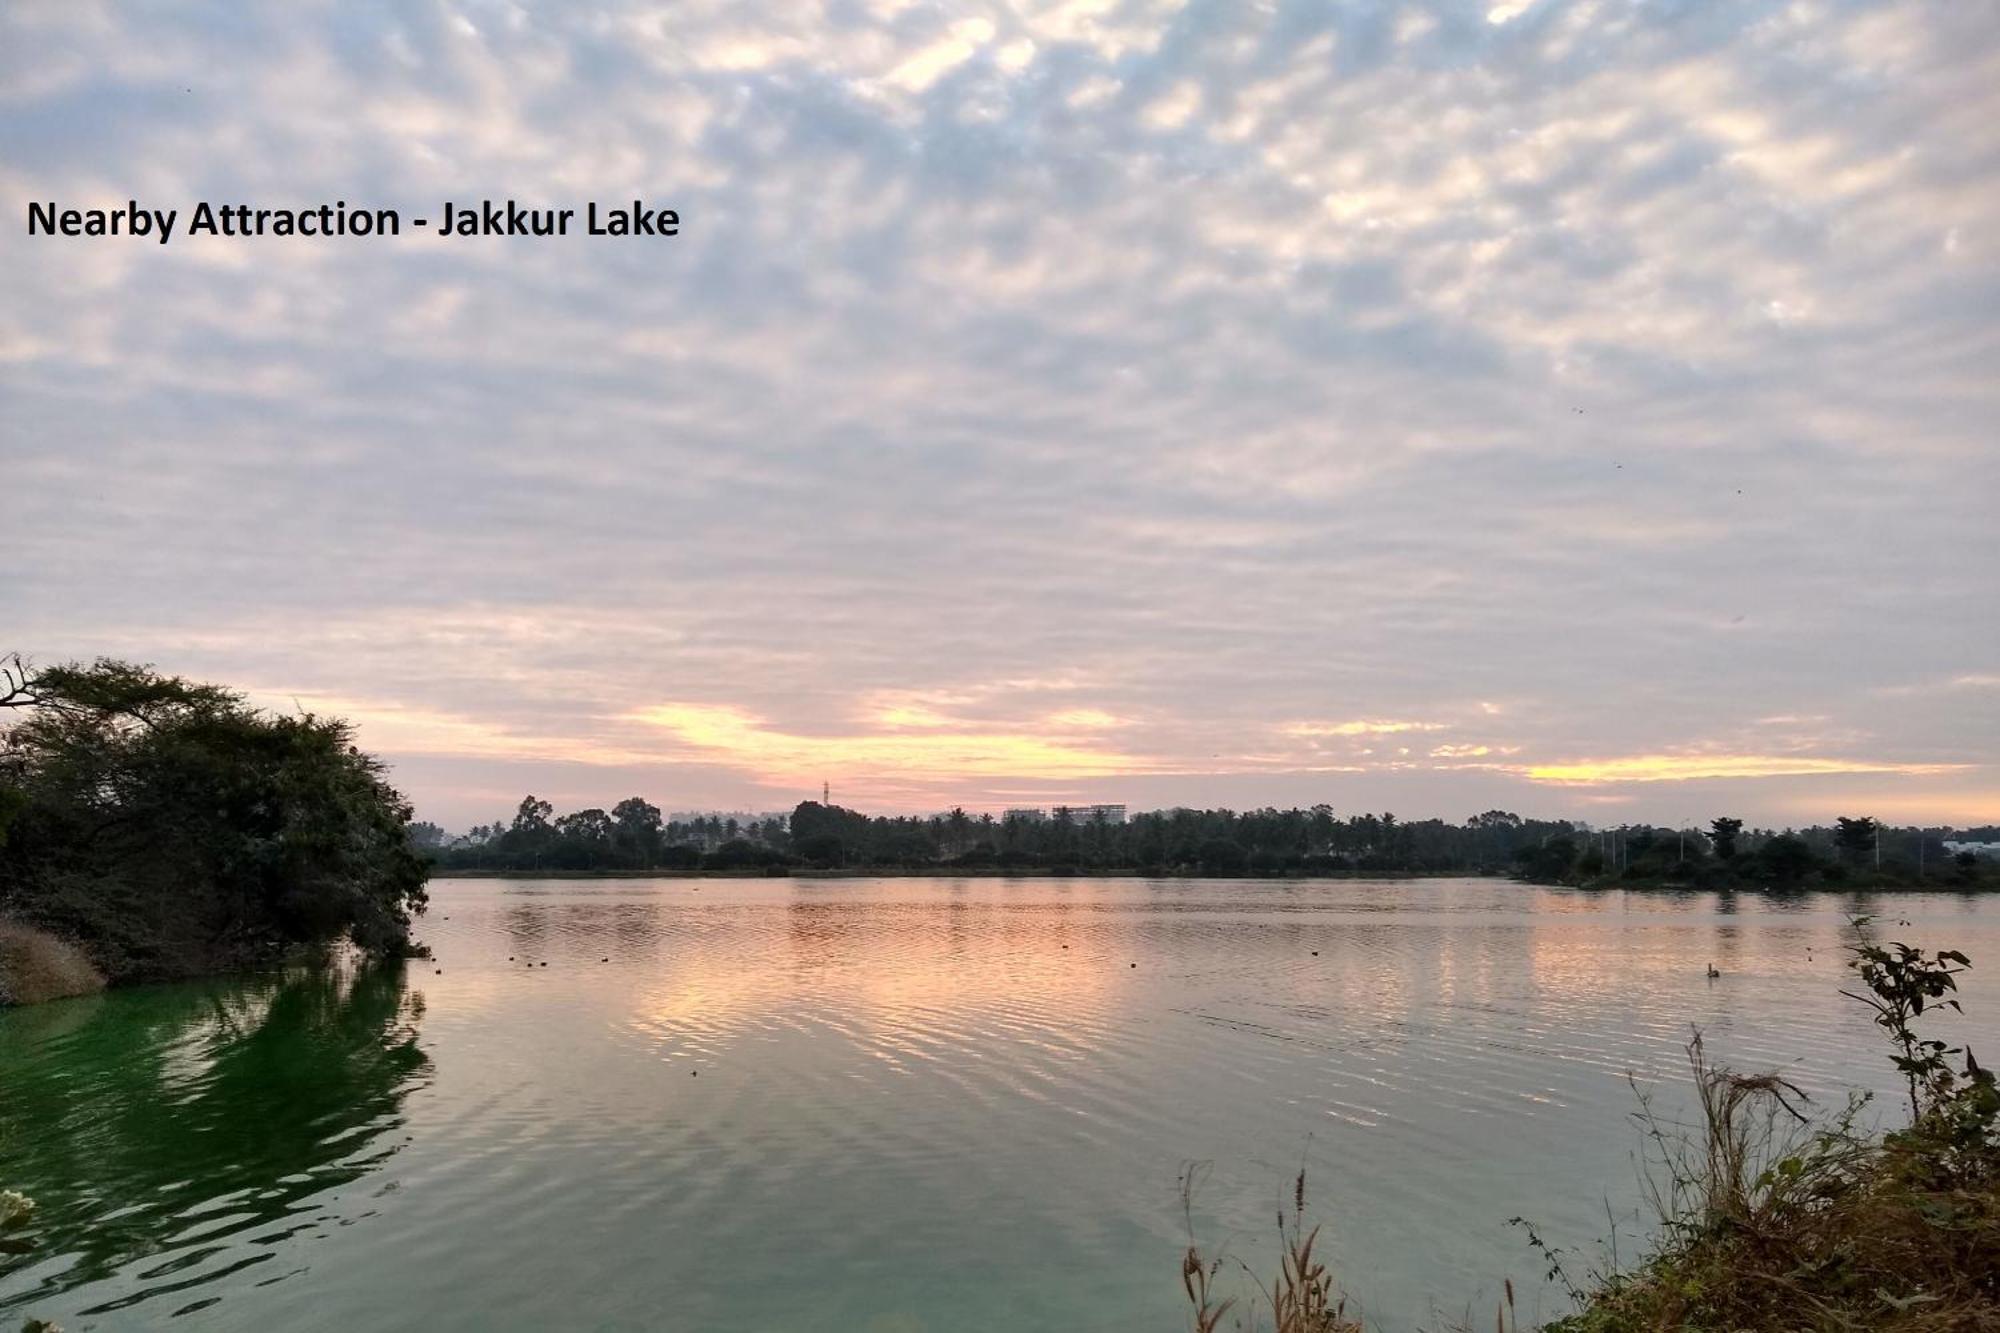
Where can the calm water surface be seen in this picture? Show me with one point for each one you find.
(902, 1105)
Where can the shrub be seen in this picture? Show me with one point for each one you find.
(169, 828)
(1772, 1219)
(36, 966)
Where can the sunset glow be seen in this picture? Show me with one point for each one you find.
(1685, 767)
(1000, 650)
(1533, 406)
(780, 758)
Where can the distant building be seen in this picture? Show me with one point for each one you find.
(1093, 814)
(1076, 814)
(709, 829)
(1990, 850)
(744, 818)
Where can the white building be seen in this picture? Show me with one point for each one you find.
(1093, 814)
(1076, 814)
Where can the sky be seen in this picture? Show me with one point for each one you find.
(1580, 408)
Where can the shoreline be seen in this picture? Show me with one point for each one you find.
(1073, 872)
(1778, 890)
(948, 872)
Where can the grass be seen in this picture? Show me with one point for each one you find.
(1302, 1297)
(1772, 1220)
(1772, 1215)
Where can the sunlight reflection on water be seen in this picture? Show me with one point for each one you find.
(900, 1104)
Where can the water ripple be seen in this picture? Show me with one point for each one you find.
(898, 1104)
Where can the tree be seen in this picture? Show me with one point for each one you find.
(958, 826)
(171, 829)
(821, 849)
(1723, 832)
(1547, 862)
(589, 826)
(528, 839)
(741, 854)
(1060, 834)
(12, 802)
(636, 830)
(531, 819)
(1855, 837)
(1220, 856)
(16, 682)
(1786, 859)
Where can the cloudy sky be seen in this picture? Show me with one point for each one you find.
(1581, 408)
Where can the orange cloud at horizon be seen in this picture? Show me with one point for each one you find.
(1686, 767)
(1967, 809)
(770, 755)
(913, 753)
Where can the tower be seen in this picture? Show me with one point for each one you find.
(826, 793)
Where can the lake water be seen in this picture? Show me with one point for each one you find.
(898, 1105)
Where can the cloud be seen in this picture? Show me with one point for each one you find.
(1685, 767)
(404, 730)
(1358, 728)
(1235, 368)
(1085, 719)
(924, 68)
(743, 740)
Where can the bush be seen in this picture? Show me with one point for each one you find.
(170, 829)
(1773, 1219)
(36, 966)
(740, 854)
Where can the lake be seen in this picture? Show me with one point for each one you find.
(906, 1105)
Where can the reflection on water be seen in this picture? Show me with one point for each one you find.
(173, 1136)
(903, 1104)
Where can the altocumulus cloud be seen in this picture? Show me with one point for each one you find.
(1443, 405)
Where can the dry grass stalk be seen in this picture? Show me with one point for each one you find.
(1302, 1297)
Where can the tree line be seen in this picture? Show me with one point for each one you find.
(1724, 854)
(633, 836)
